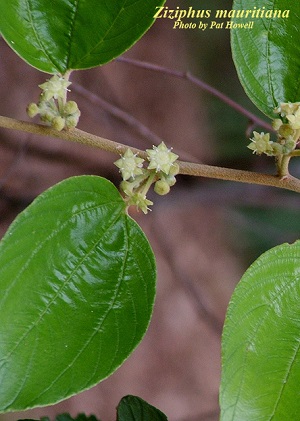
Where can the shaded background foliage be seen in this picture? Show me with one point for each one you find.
(203, 238)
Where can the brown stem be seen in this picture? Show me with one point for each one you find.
(201, 170)
(188, 168)
(73, 135)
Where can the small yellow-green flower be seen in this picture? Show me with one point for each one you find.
(141, 202)
(261, 143)
(288, 144)
(161, 158)
(55, 87)
(286, 131)
(294, 119)
(130, 165)
(32, 110)
(286, 108)
(277, 123)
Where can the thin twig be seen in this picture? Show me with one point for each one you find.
(118, 113)
(188, 168)
(127, 118)
(198, 82)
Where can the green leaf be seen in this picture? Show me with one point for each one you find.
(80, 417)
(77, 286)
(133, 408)
(267, 56)
(261, 341)
(60, 35)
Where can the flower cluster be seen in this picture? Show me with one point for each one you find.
(288, 132)
(160, 168)
(53, 107)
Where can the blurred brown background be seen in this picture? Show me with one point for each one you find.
(199, 248)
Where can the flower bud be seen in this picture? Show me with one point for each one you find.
(161, 187)
(170, 179)
(285, 130)
(58, 123)
(127, 187)
(72, 121)
(71, 107)
(288, 146)
(277, 122)
(277, 148)
(32, 110)
(47, 117)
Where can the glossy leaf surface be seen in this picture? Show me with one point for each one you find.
(261, 341)
(133, 408)
(77, 286)
(60, 35)
(267, 56)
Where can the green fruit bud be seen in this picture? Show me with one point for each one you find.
(161, 187)
(71, 107)
(47, 117)
(32, 110)
(277, 149)
(170, 179)
(289, 146)
(285, 130)
(58, 123)
(127, 187)
(72, 121)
